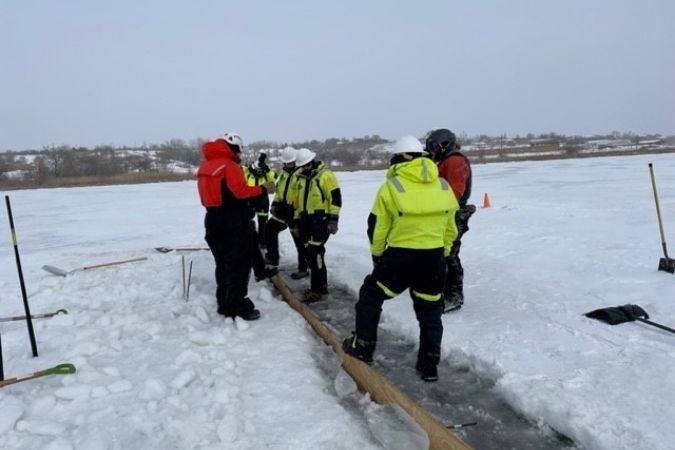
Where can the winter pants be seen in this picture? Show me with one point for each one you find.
(272, 230)
(420, 271)
(313, 235)
(227, 234)
(454, 278)
(261, 206)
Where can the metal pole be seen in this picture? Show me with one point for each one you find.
(29, 321)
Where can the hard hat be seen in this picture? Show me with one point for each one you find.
(304, 156)
(233, 139)
(288, 155)
(408, 144)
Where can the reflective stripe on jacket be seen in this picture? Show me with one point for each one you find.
(413, 209)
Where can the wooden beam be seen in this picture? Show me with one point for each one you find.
(370, 381)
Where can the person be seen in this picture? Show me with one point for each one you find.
(281, 214)
(410, 228)
(224, 193)
(455, 168)
(317, 206)
(257, 174)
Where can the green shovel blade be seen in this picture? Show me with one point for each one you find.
(61, 369)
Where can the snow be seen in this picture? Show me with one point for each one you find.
(155, 371)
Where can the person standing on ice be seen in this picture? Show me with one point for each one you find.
(411, 228)
(257, 174)
(455, 168)
(317, 206)
(224, 193)
(281, 214)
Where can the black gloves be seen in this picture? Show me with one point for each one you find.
(377, 260)
(332, 223)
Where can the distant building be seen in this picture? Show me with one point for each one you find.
(545, 143)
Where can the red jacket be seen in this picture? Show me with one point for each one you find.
(220, 179)
(456, 170)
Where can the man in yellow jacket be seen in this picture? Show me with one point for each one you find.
(281, 214)
(411, 228)
(317, 209)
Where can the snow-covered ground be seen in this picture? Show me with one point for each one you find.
(156, 372)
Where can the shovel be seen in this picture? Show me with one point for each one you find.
(627, 313)
(666, 264)
(62, 272)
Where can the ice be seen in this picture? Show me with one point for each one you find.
(395, 429)
(184, 378)
(11, 410)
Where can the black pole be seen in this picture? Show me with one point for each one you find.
(2, 370)
(29, 320)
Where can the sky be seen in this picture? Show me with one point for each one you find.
(155, 371)
(76, 72)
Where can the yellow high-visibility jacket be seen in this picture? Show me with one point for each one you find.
(317, 192)
(286, 186)
(413, 209)
(255, 180)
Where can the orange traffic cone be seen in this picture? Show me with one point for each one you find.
(486, 201)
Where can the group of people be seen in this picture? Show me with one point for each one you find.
(415, 228)
(307, 201)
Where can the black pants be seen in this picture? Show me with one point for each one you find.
(227, 234)
(313, 235)
(421, 271)
(261, 206)
(257, 260)
(272, 230)
(454, 278)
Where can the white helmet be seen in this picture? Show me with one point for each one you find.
(234, 139)
(408, 144)
(288, 155)
(304, 156)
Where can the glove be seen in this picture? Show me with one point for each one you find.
(332, 224)
(377, 259)
(275, 210)
(295, 231)
(270, 187)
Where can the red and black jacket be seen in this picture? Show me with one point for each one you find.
(455, 168)
(220, 179)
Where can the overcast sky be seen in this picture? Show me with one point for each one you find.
(83, 72)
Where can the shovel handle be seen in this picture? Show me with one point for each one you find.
(658, 211)
(654, 324)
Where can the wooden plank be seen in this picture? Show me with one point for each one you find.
(370, 381)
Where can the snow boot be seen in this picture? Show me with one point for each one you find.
(313, 296)
(300, 274)
(428, 371)
(452, 303)
(359, 349)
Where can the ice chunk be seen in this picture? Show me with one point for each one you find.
(121, 386)
(184, 378)
(12, 410)
(344, 384)
(395, 429)
(73, 392)
(153, 389)
(228, 429)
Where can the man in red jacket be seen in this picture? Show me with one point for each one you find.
(455, 167)
(224, 193)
